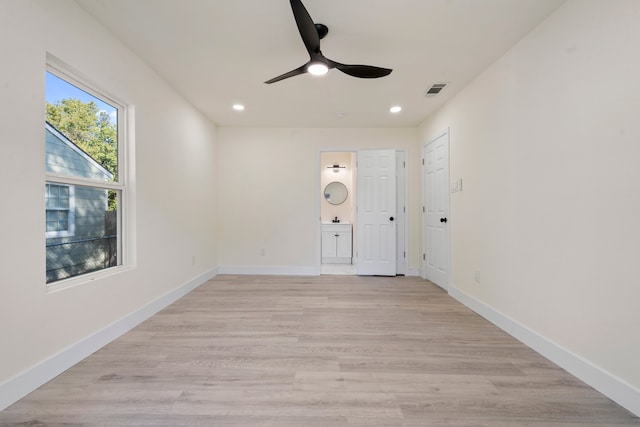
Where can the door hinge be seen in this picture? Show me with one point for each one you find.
(424, 257)
(422, 162)
(423, 211)
(404, 254)
(404, 209)
(404, 164)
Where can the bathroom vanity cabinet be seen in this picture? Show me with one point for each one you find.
(336, 243)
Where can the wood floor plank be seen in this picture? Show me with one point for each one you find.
(391, 382)
(341, 351)
(294, 403)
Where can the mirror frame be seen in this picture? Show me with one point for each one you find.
(330, 192)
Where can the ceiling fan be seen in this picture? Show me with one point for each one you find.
(319, 64)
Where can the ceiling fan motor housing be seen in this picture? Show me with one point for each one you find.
(323, 30)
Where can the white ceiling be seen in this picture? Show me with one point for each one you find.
(219, 52)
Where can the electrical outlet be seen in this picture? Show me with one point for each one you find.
(477, 276)
(263, 252)
(193, 260)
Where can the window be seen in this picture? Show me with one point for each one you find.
(84, 184)
(59, 202)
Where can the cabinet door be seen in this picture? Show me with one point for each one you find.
(343, 249)
(328, 244)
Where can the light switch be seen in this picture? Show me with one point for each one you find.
(456, 186)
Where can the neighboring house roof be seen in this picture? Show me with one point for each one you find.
(65, 157)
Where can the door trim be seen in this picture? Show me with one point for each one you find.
(402, 263)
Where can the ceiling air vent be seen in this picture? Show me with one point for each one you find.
(435, 89)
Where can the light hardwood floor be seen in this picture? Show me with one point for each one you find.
(316, 351)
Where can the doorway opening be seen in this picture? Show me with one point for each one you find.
(338, 215)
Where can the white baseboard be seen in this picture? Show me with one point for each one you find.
(270, 270)
(27, 381)
(611, 386)
(286, 270)
(414, 272)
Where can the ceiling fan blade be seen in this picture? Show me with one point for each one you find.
(362, 71)
(300, 70)
(306, 27)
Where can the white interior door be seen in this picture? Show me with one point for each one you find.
(376, 237)
(436, 210)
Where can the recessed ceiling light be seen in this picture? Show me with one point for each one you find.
(238, 107)
(395, 109)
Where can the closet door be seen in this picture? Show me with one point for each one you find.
(376, 212)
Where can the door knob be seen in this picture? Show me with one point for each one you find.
(443, 219)
(391, 218)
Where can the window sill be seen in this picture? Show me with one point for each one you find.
(85, 279)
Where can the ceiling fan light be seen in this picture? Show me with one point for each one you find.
(395, 109)
(318, 69)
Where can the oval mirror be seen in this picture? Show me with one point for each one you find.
(335, 192)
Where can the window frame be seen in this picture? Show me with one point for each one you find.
(119, 185)
(71, 228)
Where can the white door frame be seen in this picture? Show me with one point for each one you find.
(446, 190)
(401, 217)
(401, 191)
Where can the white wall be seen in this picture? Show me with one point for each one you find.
(175, 184)
(271, 201)
(547, 144)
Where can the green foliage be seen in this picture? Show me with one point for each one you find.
(91, 130)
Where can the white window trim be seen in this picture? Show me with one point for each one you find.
(71, 230)
(126, 191)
